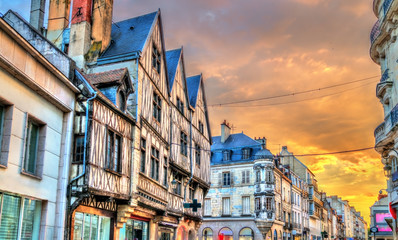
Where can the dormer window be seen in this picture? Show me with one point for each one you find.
(180, 106)
(156, 58)
(121, 101)
(226, 155)
(246, 153)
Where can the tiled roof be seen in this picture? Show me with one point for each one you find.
(106, 77)
(130, 35)
(172, 59)
(193, 84)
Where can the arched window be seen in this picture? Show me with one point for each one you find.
(246, 234)
(275, 235)
(225, 234)
(207, 234)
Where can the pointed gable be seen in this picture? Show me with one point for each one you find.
(128, 38)
(193, 88)
(172, 60)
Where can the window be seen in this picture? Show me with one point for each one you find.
(226, 155)
(246, 205)
(269, 177)
(165, 172)
(207, 234)
(207, 211)
(180, 106)
(268, 203)
(245, 176)
(90, 226)
(191, 192)
(183, 144)
(178, 179)
(19, 211)
(258, 176)
(246, 234)
(31, 147)
(113, 151)
(246, 153)
(226, 179)
(121, 101)
(143, 155)
(157, 107)
(79, 149)
(225, 206)
(258, 204)
(155, 163)
(155, 58)
(197, 154)
(226, 234)
(201, 127)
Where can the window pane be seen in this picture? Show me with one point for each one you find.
(78, 226)
(79, 148)
(1, 123)
(31, 219)
(94, 227)
(116, 163)
(10, 217)
(105, 226)
(86, 231)
(32, 139)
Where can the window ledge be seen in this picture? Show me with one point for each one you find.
(30, 175)
(113, 172)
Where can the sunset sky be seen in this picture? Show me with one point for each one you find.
(261, 48)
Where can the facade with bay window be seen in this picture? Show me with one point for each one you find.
(383, 51)
(230, 206)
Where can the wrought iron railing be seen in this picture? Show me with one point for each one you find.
(379, 132)
(375, 33)
(387, 5)
(385, 76)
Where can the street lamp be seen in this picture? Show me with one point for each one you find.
(387, 170)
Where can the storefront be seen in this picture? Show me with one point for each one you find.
(92, 223)
(136, 228)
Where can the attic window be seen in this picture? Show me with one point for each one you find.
(226, 155)
(245, 153)
(155, 58)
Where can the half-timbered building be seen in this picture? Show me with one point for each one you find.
(100, 176)
(189, 140)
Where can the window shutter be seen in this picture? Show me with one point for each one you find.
(220, 176)
(232, 178)
(243, 176)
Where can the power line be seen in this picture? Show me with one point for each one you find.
(298, 155)
(297, 101)
(293, 93)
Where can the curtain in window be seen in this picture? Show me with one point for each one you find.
(10, 217)
(225, 206)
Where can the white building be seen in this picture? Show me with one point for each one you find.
(36, 115)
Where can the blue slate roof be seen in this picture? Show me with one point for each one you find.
(238, 140)
(130, 35)
(172, 59)
(193, 84)
(235, 144)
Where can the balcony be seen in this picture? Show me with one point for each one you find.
(384, 85)
(390, 121)
(375, 33)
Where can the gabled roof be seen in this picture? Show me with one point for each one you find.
(130, 36)
(112, 76)
(237, 140)
(172, 60)
(193, 84)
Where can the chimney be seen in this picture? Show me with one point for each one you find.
(37, 14)
(225, 131)
(262, 141)
(58, 20)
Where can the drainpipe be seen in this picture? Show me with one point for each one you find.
(190, 155)
(94, 95)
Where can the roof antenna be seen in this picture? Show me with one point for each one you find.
(233, 128)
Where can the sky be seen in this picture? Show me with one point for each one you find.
(262, 48)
